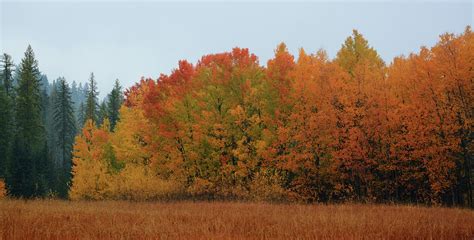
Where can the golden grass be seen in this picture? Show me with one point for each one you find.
(53, 219)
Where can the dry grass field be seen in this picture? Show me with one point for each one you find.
(52, 219)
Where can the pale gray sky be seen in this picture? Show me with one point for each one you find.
(128, 40)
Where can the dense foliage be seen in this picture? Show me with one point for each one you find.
(38, 126)
(311, 129)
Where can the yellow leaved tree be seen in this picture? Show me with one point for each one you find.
(91, 178)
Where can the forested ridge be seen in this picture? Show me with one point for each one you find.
(306, 128)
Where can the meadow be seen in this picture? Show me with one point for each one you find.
(55, 219)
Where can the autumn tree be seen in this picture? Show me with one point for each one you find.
(302, 148)
(313, 129)
(432, 92)
(453, 57)
(91, 164)
(356, 139)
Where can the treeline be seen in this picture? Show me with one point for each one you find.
(38, 124)
(313, 129)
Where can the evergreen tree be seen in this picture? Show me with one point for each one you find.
(46, 92)
(103, 113)
(73, 88)
(28, 163)
(6, 113)
(84, 89)
(7, 74)
(46, 114)
(5, 131)
(77, 96)
(52, 133)
(114, 103)
(91, 101)
(64, 124)
(81, 115)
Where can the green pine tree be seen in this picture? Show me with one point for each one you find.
(91, 101)
(6, 114)
(103, 113)
(64, 125)
(27, 167)
(114, 103)
(7, 74)
(81, 115)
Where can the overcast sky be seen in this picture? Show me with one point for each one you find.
(125, 40)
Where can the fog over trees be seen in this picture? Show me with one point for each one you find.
(39, 120)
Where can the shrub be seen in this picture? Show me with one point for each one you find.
(3, 190)
(137, 182)
(267, 187)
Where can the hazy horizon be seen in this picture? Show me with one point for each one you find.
(125, 40)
